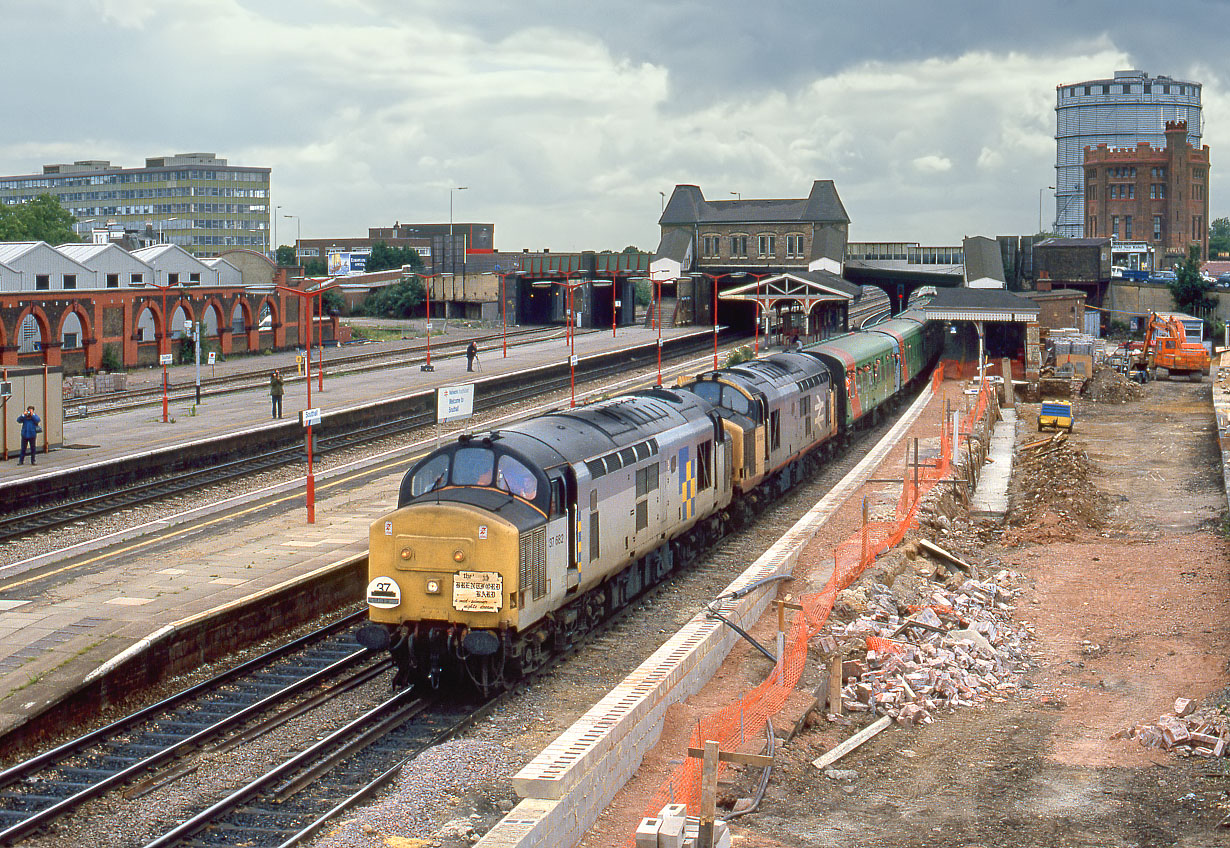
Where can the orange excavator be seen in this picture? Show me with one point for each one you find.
(1166, 346)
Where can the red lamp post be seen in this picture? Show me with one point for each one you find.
(571, 338)
(758, 277)
(305, 296)
(164, 346)
(715, 278)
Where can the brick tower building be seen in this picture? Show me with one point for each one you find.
(1147, 194)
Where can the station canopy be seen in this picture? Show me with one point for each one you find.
(962, 304)
(804, 288)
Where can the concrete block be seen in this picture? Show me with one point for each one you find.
(670, 834)
(647, 833)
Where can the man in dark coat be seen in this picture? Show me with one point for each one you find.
(275, 392)
(471, 356)
(29, 431)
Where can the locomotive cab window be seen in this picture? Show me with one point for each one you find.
(704, 466)
(431, 475)
(513, 477)
(473, 467)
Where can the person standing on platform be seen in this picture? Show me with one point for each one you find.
(275, 392)
(471, 356)
(29, 430)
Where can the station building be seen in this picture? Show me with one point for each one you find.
(63, 306)
(194, 200)
(1119, 112)
(1155, 195)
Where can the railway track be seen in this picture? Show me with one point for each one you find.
(85, 507)
(140, 749)
(259, 378)
(292, 800)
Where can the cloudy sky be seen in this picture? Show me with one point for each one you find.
(566, 119)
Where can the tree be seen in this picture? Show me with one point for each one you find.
(385, 258)
(1189, 290)
(398, 300)
(41, 219)
(332, 302)
(286, 256)
(1219, 237)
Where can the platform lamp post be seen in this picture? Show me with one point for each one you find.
(307, 295)
(1044, 188)
(164, 347)
(658, 283)
(504, 307)
(298, 233)
(572, 349)
(759, 319)
(714, 278)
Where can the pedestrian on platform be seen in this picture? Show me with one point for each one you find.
(29, 430)
(275, 392)
(471, 356)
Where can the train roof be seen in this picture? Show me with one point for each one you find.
(575, 434)
(853, 348)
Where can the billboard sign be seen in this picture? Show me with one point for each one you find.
(343, 263)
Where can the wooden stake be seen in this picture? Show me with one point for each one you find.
(708, 794)
(835, 684)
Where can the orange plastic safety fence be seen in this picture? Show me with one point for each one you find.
(746, 718)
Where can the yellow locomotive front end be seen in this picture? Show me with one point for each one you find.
(447, 570)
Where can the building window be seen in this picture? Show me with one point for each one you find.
(1157, 227)
(767, 246)
(1114, 226)
(172, 279)
(42, 282)
(710, 246)
(738, 246)
(194, 277)
(1131, 191)
(1127, 227)
(794, 247)
(113, 281)
(1161, 191)
(138, 279)
(70, 341)
(70, 281)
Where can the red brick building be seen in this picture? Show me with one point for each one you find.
(1149, 194)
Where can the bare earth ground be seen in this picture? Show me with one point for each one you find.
(1125, 581)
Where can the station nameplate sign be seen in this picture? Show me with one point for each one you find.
(165, 359)
(310, 417)
(477, 591)
(454, 403)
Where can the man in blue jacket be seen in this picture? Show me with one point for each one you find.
(29, 430)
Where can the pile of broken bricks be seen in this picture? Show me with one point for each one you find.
(957, 649)
(1188, 731)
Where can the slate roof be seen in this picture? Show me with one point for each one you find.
(674, 245)
(689, 206)
(963, 304)
(982, 259)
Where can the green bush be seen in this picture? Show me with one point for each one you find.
(738, 355)
(398, 300)
(1119, 330)
(111, 359)
(644, 293)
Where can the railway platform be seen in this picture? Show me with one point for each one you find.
(111, 436)
(80, 627)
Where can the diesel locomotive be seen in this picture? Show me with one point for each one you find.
(507, 546)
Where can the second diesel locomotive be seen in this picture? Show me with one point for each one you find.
(505, 547)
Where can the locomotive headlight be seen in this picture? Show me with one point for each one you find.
(433, 587)
(406, 553)
(459, 555)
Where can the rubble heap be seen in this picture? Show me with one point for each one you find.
(1186, 731)
(1110, 386)
(959, 648)
(1054, 497)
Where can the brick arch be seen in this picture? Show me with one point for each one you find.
(275, 324)
(154, 305)
(87, 328)
(222, 317)
(48, 343)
